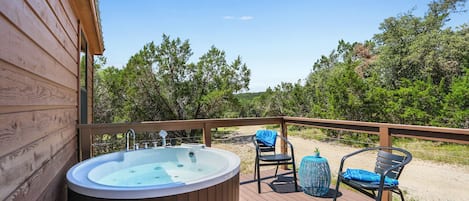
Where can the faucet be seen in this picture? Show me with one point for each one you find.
(163, 135)
(130, 132)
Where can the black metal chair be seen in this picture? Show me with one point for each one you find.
(266, 156)
(387, 164)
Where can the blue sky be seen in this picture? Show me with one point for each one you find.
(279, 40)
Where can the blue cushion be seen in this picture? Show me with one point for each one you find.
(366, 176)
(267, 137)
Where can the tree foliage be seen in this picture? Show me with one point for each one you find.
(159, 83)
(413, 72)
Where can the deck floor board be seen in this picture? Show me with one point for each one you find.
(248, 191)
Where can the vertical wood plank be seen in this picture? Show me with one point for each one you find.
(236, 186)
(384, 137)
(386, 141)
(85, 143)
(283, 145)
(207, 135)
(211, 193)
(219, 192)
(183, 197)
(194, 196)
(225, 191)
(89, 87)
(229, 191)
(203, 194)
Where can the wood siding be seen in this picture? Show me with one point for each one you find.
(38, 98)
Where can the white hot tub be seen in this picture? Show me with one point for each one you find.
(152, 173)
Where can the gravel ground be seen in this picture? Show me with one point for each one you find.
(421, 180)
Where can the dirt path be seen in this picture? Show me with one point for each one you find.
(421, 180)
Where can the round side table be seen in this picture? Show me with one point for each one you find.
(315, 175)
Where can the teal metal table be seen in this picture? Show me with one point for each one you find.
(315, 175)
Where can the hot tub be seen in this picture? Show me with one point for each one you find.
(182, 171)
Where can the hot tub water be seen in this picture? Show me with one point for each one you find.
(154, 174)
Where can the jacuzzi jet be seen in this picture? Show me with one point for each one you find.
(157, 168)
(132, 171)
(192, 157)
(180, 165)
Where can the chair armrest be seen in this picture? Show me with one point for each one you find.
(291, 147)
(256, 145)
(288, 142)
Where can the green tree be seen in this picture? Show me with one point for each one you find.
(159, 83)
(108, 102)
(417, 103)
(415, 48)
(455, 112)
(287, 99)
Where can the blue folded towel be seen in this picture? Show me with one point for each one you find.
(363, 175)
(268, 137)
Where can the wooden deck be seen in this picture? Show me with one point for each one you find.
(248, 191)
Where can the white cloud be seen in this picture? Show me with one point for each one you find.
(246, 18)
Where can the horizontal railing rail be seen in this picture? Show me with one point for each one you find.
(87, 131)
(442, 134)
(384, 130)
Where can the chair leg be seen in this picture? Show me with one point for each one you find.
(380, 195)
(400, 193)
(255, 169)
(294, 176)
(276, 170)
(337, 188)
(258, 178)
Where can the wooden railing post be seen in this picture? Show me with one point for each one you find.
(84, 140)
(207, 135)
(384, 137)
(283, 144)
(386, 141)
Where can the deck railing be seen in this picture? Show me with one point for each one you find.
(385, 131)
(88, 131)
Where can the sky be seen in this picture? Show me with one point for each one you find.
(279, 40)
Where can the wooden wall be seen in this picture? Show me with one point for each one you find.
(38, 98)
